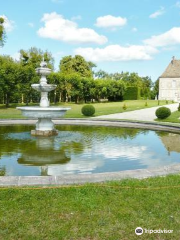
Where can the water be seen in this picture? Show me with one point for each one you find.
(83, 150)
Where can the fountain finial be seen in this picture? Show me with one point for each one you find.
(43, 64)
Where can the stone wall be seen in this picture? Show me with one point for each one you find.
(169, 89)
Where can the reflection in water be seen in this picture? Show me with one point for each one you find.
(82, 150)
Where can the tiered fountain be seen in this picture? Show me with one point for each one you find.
(44, 113)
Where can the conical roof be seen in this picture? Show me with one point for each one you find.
(173, 70)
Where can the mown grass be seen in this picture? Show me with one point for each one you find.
(173, 118)
(109, 211)
(75, 112)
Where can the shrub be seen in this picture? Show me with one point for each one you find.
(163, 112)
(124, 106)
(88, 110)
(132, 93)
(146, 104)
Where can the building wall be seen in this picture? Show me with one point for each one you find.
(169, 89)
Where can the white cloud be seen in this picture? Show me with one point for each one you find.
(8, 24)
(157, 13)
(31, 25)
(110, 21)
(117, 53)
(169, 38)
(58, 28)
(134, 29)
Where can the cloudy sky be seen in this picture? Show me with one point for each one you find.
(133, 35)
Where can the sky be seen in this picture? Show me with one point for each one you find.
(138, 36)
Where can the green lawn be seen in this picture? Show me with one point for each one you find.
(110, 211)
(173, 118)
(101, 108)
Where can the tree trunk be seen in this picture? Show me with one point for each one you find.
(60, 97)
(7, 100)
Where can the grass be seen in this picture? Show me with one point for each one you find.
(93, 211)
(173, 118)
(75, 112)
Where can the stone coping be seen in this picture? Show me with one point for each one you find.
(97, 177)
(19, 181)
(94, 122)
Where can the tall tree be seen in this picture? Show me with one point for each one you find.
(34, 56)
(9, 77)
(76, 65)
(2, 32)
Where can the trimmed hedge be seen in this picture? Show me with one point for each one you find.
(132, 93)
(88, 110)
(163, 112)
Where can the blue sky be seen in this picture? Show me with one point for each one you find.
(133, 35)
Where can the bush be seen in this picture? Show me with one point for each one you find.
(146, 104)
(163, 112)
(124, 107)
(88, 110)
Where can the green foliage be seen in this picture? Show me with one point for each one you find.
(132, 93)
(155, 90)
(2, 32)
(76, 65)
(88, 110)
(146, 104)
(166, 101)
(163, 112)
(34, 56)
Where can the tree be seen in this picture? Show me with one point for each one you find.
(76, 65)
(34, 56)
(2, 32)
(101, 74)
(9, 77)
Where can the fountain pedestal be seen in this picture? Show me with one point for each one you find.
(44, 113)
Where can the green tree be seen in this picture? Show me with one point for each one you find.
(2, 32)
(34, 56)
(76, 65)
(9, 78)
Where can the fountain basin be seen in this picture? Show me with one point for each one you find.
(43, 70)
(43, 112)
(44, 87)
(44, 125)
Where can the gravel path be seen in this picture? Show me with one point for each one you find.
(147, 114)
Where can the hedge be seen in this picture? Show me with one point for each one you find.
(132, 93)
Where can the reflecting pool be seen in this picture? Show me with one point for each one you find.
(84, 149)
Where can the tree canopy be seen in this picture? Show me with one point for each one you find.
(2, 32)
(77, 64)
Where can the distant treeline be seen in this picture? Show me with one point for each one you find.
(76, 80)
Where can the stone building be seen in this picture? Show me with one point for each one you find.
(169, 82)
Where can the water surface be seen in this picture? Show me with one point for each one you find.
(84, 149)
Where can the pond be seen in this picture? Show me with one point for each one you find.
(84, 150)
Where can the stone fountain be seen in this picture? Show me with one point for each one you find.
(44, 113)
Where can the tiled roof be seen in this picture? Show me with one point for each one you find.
(173, 70)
